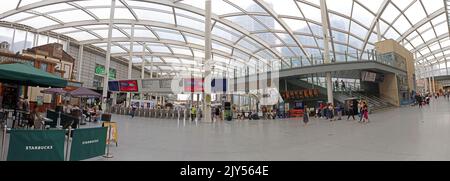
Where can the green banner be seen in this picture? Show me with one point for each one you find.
(100, 69)
(36, 145)
(88, 143)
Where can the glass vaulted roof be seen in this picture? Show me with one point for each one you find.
(172, 31)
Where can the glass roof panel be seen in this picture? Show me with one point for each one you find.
(402, 4)
(247, 22)
(70, 16)
(310, 12)
(123, 13)
(441, 29)
(8, 6)
(248, 5)
(415, 13)
(428, 35)
(101, 13)
(433, 5)
(390, 13)
(402, 24)
(339, 22)
(18, 16)
(250, 18)
(181, 50)
(168, 34)
(358, 30)
(81, 36)
(148, 5)
(155, 16)
(297, 25)
(219, 46)
(285, 7)
(220, 7)
(39, 22)
(190, 23)
(141, 31)
(59, 6)
(157, 48)
(342, 6)
(361, 14)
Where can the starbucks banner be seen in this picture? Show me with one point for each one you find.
(88, 143)
(36, 145)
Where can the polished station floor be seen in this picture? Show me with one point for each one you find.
(406, 133)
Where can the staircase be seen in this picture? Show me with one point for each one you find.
(375, 103)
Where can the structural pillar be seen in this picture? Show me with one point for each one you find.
(378, 31)
(80, 61)
(326, 42)
(430, 87)
(208, 46)
(434, 84)
(130, 64)
(143, 67)
(108, 55)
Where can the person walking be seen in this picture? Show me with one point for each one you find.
(343, 85)
(306, 116)
(330, 112)
(133, 110)
(365, 113)
(360, 109)
(351, 112)
(217, 113)
(336, 85)
(339, 111)
(193, 113)
(420, 100)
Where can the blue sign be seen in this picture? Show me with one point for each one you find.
(219, 85)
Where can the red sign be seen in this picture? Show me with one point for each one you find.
(194, 85)
(128, 86)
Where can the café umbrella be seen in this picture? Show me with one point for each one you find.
(84, 92)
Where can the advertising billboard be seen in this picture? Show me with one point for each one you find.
(113, 86)
(128, 86)
(194, 85)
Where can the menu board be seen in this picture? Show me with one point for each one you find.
(128, 86)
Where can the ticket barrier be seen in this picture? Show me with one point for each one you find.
(175, 114)
(165, 114)
(152, 113)
(146, 113)
(141, 112)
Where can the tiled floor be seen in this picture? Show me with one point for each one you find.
(407, 133)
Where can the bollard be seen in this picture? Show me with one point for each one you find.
(58, 122)
(108, 155)
(67, 146)
(3, 142)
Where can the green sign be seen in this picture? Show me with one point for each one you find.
(88, 143)
(100, 70)
(36, 145)
(40, 100)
